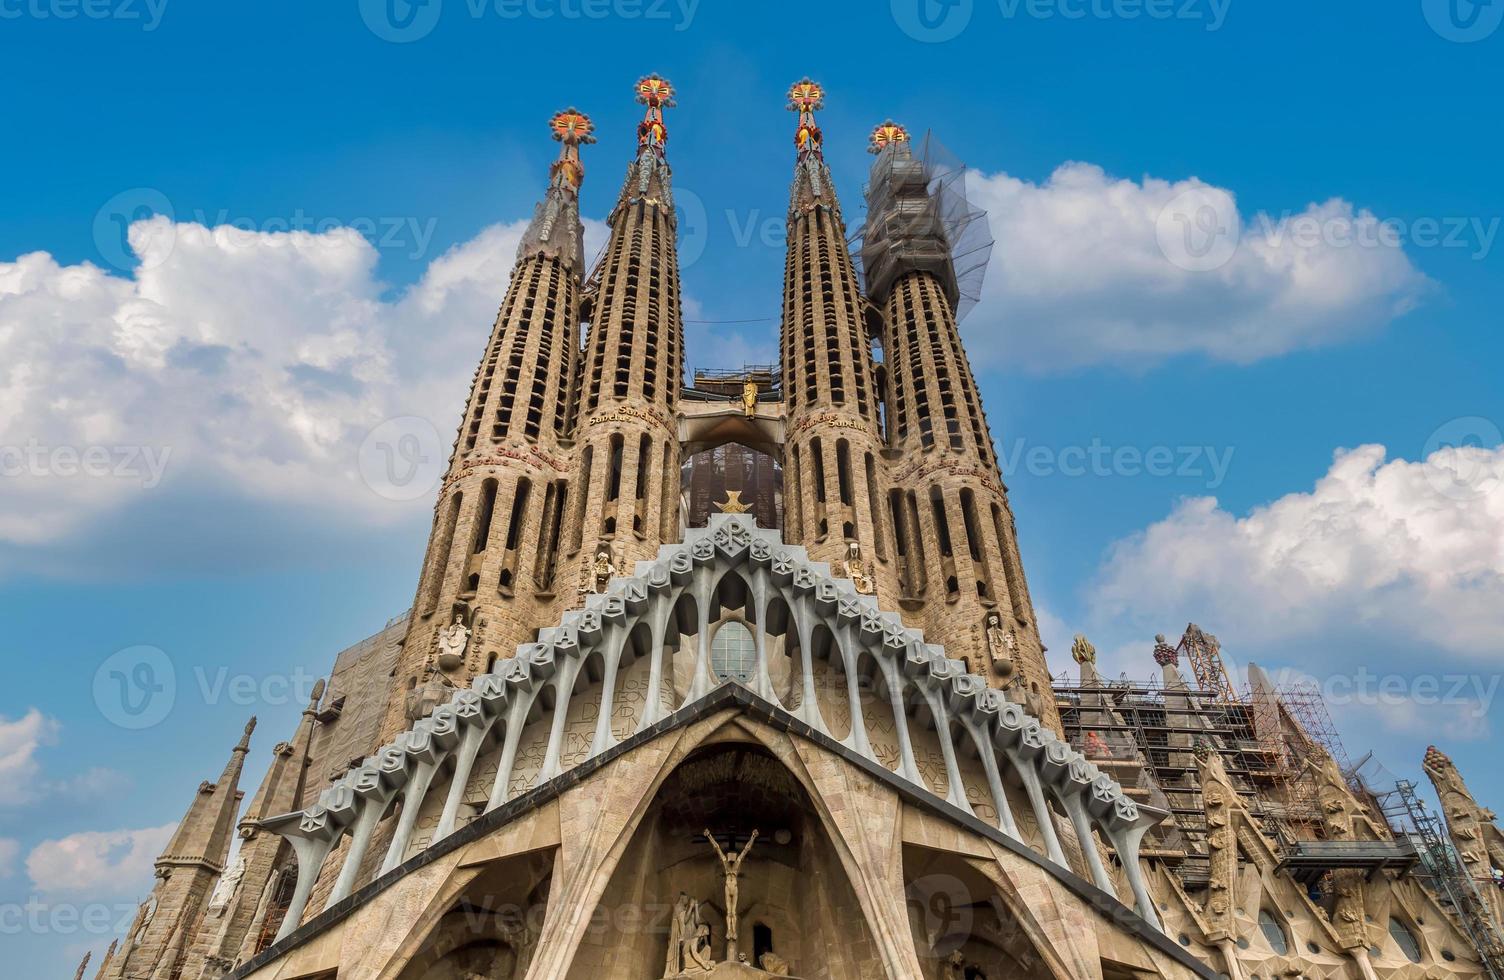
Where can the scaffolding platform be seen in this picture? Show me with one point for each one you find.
(1308, 861)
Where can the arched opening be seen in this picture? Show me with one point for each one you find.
(962, 924)
(792, 910)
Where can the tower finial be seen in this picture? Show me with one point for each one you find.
(657, 93)
(885, 135)
(245, 740)
(572, 128)
(806, 97)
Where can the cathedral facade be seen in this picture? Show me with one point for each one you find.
(741, 678)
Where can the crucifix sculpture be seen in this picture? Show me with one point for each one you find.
(732, 865)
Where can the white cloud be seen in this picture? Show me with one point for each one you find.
(99, 863)
(1394, 551)
(9, 850)
(240, 363)
(1080, 276)
(20, 773)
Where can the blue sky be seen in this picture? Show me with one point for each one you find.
(1356, 143)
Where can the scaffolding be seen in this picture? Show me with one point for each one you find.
(1125, 725)
(920, 218)
(1443, 871)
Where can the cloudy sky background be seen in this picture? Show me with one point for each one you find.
(216, 283)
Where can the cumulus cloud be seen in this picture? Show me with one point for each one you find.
(98, 863)
(1091, 269)
(1390, 551)
(231, 362)
(19, 770)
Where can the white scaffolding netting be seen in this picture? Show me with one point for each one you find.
(919, 218)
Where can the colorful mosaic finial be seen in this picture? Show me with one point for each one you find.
(1164, 654)
(571, 128)
(886, 135)
(657, 93)
(806, 97)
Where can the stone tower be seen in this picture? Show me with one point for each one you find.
(627, 449)
(235, 920)
(833, 487)
(956, 542)
(493, 555)
(187, 872)
(1471, 826)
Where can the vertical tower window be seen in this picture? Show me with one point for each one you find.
(483, 519)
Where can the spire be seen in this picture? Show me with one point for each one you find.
(811, 176)
(649, 178)
(203, 838)
(83, 966)
(282, 786)
(109, 957)
(561, 204)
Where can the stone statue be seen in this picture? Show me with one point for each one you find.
(732, 865)
(453, 640)
(688, 940)
(749, 399)
(773, 963)
(857, 570)
(697, 958)
(1083, 652)
(679, 928)
(1000, 644)
(606, 567)
(225, 889)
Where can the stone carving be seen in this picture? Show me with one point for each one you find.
(1000, 645)
(453, 640)
(445, 720)
(1082, 651)
(732, 866)
(607, 566)
(734, 503)
(435, 690)
(749, 399)
(225, 889)
(856, 569)
(774, 964)
(688, 940)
